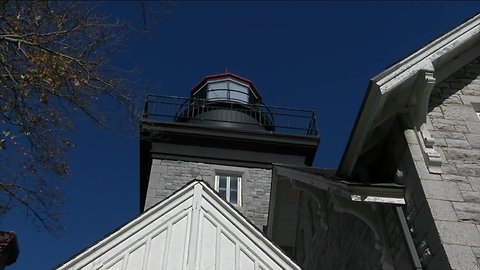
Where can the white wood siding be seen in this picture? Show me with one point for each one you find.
(194, 229)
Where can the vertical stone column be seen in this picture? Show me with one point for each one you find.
(453, 196)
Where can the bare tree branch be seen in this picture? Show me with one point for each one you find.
(54, 65)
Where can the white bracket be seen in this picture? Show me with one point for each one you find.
(418, 109)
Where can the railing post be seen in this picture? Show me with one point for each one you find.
(145, 108)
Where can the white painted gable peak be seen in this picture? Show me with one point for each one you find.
(192, 229)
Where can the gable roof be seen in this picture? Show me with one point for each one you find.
(391, 91)
(192, 229)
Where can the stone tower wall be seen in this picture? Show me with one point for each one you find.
(419, 210)
(167, 176)
(454, 196)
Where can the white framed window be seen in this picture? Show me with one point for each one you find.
(227, 90)
(476, 107)
(229, 187)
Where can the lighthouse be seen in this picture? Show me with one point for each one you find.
(225, 135)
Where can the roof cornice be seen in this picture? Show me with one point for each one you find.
(440, 58)
(429, 57)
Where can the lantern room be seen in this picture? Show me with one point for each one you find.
(227, 101)
(226, 87)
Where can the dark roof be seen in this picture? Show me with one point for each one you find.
(8, 247)
(224, 76)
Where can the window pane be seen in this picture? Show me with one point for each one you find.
(218, 90)
(223, 193)
(238, 92)
(233, 197)
(222, 182)
(233, 183)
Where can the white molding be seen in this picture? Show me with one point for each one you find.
(431, 55)
(445, 55)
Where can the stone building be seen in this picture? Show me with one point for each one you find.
(419, 127)
(228, 183)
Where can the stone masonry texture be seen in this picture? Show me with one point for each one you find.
(327, 239)
(418, 213)
(167, 176)
(454, 198)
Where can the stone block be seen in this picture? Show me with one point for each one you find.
(476, 252)
(441, 134)
(441, 190)
(473, 126)
(449, 168)
(461, 129)
(469, 99)
(442, 210)
(458, 233)
(474, 182)
(440, 142)
(469, 212)
(471, 92)
(464, 155)
(455, 143)
(160, 168)
(464, 187)
(471, 196)
(458, 136)
(474, 140)
(461, 257)
(455, 178)
(468, 169)
(446, 125)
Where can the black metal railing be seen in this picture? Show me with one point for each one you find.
(180, 109)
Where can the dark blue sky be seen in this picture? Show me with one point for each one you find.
(312, 55)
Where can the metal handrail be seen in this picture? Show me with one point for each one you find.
(271, 118)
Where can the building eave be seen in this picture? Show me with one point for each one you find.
(378, 193)
(439, 58)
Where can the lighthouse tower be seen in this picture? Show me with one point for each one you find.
(225, 135)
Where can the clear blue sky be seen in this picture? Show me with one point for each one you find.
(312, 55)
